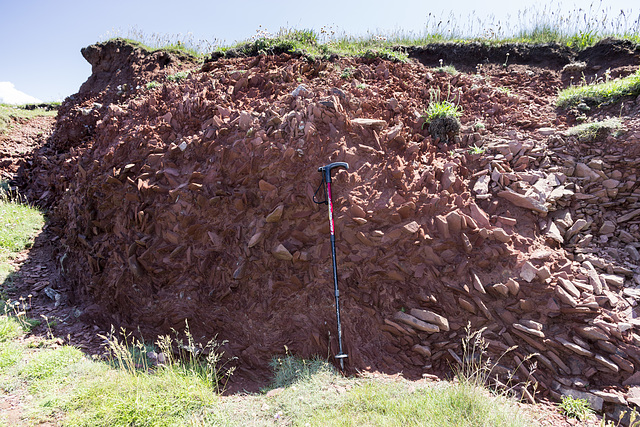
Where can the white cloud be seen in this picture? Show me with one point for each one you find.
(10, 95)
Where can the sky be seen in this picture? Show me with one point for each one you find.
(40, 40)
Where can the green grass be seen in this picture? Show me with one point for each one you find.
(10, 114)
(47, 363)
(392, 404)
(602, 93)
(19, 224)
(442, 116)
(589, 132)
(441, 109)
(180, 75)
(578, 28)
(448, 69)
(67, 388)
(575, 408)
(312, 393)
(10, 354)
(181, 44)
(307, 43)
(119, 398)
(9, 328)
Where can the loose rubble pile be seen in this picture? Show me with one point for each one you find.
(193, 201)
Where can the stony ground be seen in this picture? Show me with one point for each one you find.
(514, 226)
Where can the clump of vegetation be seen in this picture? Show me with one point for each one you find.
(180, 75)
(181, 44)
(384, 53)
(347, 73)
(442, 117)
(603, 93)
(308, 43)
(594, 131)
(575, 408)
(152, 85)
(474, 149)
(448, 69)
(288, 370)
(9, 328)
(265, 43)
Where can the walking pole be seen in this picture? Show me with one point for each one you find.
(326, 179)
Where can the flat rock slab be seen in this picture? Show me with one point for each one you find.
(523, 201)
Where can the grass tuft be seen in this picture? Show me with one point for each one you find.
(442, 116)
(590, 132)
(289, 370)
(597, 94)
(575, 408)
(9, 328)
(47, 363)
(180, 75)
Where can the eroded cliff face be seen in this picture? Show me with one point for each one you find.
(192, 201)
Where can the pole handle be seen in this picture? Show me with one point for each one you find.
(326, 170)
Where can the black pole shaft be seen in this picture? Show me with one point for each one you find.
(326, 177)
(340, 355)
(337, 294)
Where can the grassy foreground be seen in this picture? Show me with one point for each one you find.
(67, 388)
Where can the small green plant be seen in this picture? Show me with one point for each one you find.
(347, 73)
(583, 39)
(474, 149)
(448, 69)
(575, 408)
(438, 109)
(442, 117)
(180, 75)
(152, 85)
